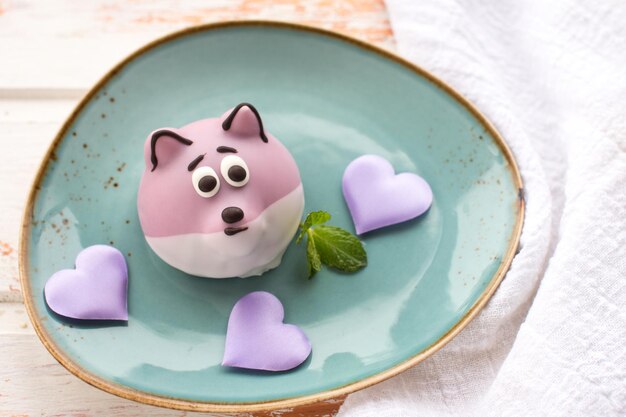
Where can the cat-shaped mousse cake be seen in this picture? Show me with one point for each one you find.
(220, 197)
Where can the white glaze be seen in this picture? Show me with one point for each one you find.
(230, 161)
(248, 253)
(197, 176)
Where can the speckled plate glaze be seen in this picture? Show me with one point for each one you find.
(329, 99)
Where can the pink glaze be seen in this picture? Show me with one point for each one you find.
(168, 204)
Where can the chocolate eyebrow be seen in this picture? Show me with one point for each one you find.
(195, 162)
(226, 149)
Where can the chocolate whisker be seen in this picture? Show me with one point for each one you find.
(230, 231)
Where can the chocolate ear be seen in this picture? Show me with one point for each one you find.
(245, 120)
(166, 133)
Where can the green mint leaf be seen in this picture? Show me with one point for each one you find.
(312, 219)
(314, 264)
(338, 248)
(329, 245)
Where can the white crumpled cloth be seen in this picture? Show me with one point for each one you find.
(551, 75)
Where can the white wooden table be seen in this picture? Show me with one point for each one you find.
(50, 53)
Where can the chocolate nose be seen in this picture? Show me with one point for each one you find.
(232, 214)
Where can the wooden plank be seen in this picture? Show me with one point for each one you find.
(14, 321)
(28, 127)
(51, 53)
(32, 383)
(69, 45)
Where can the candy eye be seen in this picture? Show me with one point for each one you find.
(205, 181)
(235, 171)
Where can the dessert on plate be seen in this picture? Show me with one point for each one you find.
(220, 197)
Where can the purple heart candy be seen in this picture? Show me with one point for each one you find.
(96, 290)
(257, 338)
(377, 197)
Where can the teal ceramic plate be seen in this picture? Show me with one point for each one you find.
(329, 99)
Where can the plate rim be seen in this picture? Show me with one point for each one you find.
(230, 407)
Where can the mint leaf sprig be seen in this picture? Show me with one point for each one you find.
(330, 245)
